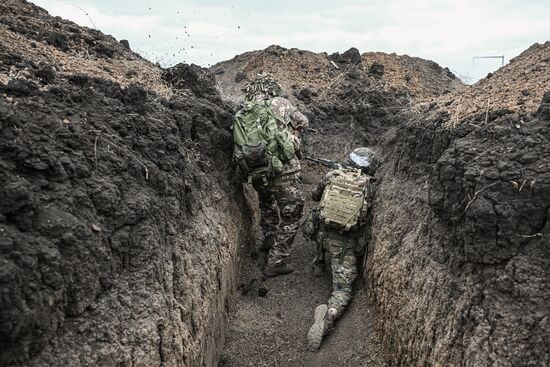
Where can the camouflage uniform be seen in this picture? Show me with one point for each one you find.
(343, 247)
(282, 196)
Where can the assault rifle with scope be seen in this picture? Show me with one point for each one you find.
(326, 162)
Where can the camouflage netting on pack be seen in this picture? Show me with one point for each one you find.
(263, 86)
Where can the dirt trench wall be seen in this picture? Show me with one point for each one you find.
(119, 221)
(459, 264)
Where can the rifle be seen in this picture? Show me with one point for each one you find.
(326, 162)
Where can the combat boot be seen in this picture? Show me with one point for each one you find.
(281, 269)
(324, 319)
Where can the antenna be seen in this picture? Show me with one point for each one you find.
(488, 57)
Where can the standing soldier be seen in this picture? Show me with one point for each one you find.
(265, 133)
(338, 227)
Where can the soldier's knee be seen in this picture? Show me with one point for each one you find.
(343, 290)
(342, 274)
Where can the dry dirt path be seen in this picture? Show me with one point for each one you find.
(271, 330)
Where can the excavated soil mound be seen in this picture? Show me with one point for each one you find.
(119, 221)
(31, 33)
(307, 76)
(350, 99)
(516, 89)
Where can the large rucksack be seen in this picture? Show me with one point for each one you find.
(262, 142)
(343, 200)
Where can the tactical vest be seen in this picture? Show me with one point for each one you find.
(344, 200)
(262, 142)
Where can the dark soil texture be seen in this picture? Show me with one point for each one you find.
(460, 258)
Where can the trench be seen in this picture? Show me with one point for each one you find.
(124, 240)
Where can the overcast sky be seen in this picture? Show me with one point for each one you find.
(205, 32)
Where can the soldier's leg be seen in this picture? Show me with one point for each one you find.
(290, 200)
(326, 314)
(344, 272)
(269, 215)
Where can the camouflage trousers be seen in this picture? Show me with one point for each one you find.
(343, 261)
(281, 209)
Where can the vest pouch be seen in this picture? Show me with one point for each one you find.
(276, 166)
(255, 154)
(259, 176)
(285, 145)
(240, 161)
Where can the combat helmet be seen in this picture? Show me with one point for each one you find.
(364, 158)
(264, 86)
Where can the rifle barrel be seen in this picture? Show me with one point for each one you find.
(324, 162)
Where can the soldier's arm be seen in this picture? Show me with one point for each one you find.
(298, 120)
(366, 212)
(317, 194)
(364, 221)
(371, 191)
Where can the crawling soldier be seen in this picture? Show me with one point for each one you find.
(338, 228)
